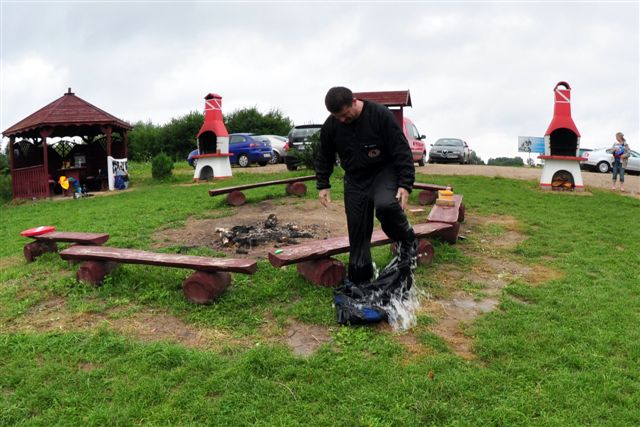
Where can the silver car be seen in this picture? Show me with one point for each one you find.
(600, 160)
(450, 150)
(277, 144)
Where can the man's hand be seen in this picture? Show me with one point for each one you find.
(403, 197)
(325, 197)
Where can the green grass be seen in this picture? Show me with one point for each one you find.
(569, 356)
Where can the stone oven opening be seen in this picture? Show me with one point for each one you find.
(563, 181)
(206, 174)
(563, 142)
(207, 142)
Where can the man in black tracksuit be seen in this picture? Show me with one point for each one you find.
(379, 174)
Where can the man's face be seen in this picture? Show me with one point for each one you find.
(348, 113)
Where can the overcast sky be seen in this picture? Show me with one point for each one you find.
(484, 72)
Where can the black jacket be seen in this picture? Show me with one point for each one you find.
(367, 145)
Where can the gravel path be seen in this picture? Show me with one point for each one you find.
(591, 179)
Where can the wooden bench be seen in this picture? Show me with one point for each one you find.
(48, 242)
(429, 192)
(211, 278)
(314, 260)
(449, 214)
(235, 196)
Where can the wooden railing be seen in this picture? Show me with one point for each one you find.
(30, 182)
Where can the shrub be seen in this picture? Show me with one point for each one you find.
(6, 193)
(161, 166)
(308, 156)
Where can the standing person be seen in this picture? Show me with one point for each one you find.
(379, 175)
(621, 153)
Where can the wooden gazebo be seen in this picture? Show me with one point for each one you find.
(36, 164)
(395, 100)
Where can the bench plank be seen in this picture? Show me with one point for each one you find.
(325, 248)
(135, 256)
(433, 187)
(75, 237)
(448, 214)
(226, 190)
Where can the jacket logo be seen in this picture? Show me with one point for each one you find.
(374, 153)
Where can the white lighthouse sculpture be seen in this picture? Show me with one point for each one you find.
(213, 143)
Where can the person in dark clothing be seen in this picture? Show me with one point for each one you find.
(379, 175)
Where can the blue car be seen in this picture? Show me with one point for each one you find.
(246, 148)
(191, 160)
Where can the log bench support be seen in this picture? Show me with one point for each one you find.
(428, 193)
(453, 215)
(315, 263)
(210, 279)
(47, 242)
(236, 197)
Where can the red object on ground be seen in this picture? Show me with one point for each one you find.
(36, 231)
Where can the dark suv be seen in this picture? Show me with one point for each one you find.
(299, 138)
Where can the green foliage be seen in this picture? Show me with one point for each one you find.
(506, 161)
(161, 167)
(307, 156)
(4, 161)
(6, 190)
(474, 159)
(144, 141)
(252, 121)
(178, 137)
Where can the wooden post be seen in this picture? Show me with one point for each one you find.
(44, 133)
(125, 140)
(12, 140)
(107, 131)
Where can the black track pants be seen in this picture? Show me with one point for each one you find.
(361, 198)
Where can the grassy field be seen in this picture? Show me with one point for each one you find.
(567, 354)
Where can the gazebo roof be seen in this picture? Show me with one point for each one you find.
(396, 98)
(68, 110)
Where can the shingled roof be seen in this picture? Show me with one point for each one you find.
(396, 98)
(68, 110)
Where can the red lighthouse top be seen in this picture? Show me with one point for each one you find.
(213, 121)
(562, 110)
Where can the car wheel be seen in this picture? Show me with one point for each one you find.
(291, 167)
(263, 163)
(423, 159)
(275, 159)
(603, 167)
(243, 160)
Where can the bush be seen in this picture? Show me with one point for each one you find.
(161, 166)
(308, 156)
(6, 193)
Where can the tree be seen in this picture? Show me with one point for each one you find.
(474, 159)
(144, 140)
(506, 161)
(178, 137)
(252, 121)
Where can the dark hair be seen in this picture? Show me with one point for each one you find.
(337, 98)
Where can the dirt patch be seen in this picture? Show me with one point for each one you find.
(145, 325)
(465, 294)
(305, 214)
(304, 339)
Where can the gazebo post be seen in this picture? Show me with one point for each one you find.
(125, 138)
(44, 133)
(107, 131)
(12, 140)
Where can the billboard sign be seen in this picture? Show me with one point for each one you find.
(531, 144)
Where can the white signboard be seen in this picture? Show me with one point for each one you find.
(116, 167)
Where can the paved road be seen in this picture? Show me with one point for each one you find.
(591, 179)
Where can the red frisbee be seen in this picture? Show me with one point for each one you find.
(38, 231)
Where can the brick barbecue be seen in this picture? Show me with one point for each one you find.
(561, 169)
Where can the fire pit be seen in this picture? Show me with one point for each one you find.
(246, 237)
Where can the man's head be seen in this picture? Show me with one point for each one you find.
(341, 104)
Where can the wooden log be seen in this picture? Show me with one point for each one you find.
(296, 188)
(447, 214)
(204, 288)
(450, 235)
(319, 249)
(227, 190)
(236, 198)
(327, 272)
(461, 212)
(427, 197)
(93, 272)
(95, 239)
(424, 252)
(33, 250)
(135, 256)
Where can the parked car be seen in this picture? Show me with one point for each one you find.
(418, 147)
(450, 150)
(600, 160)
(192, 162)
(277, 145)
(298, 139)
(246, 149)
